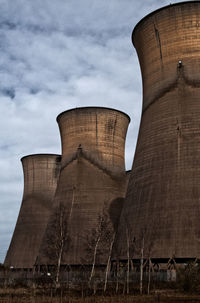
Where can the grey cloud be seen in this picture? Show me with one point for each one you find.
(10, 92)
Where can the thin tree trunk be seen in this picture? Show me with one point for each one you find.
(61, 248)
(149, 277)
(94, 260)
(141, 266)
(63, 237)
(59, 263)
(117, 284)
(108, 262)
(132, 266)
(94, 288)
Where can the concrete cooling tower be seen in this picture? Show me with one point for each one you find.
(91, 186)
(41, 172)
(162, 207)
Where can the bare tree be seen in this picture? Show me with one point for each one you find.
(129, 250)
(150, 242)
(92, 251)
(149, 275)
(95, 239)
(57, 239)
(114, 212)
(99, 243)
(108, 239)
(145, 243)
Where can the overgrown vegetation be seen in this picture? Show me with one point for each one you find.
(188, 279)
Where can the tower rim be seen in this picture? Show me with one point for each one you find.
(92, 107)
(158, 10)
(40, 154)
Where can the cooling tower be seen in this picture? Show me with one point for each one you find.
(162, 207)
(92, 183)
(41, 173)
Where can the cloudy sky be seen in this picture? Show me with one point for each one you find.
(56, 55)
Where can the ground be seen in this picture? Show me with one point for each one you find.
(30, 295)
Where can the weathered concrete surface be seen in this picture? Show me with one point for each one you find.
(41, 172)
(92, 183)
(163, 199)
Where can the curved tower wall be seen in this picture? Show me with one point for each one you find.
(92, 181)
(101, 133)
(41, 173)
(162, 202)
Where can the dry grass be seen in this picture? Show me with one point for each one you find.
(25, 295)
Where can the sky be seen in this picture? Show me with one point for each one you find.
(56, 55)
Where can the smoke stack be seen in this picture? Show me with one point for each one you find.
(41, 173)
(162, 203)
(92, 179)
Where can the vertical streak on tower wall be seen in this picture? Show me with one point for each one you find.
(164, 190)
(41, 172)
(92, 178)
